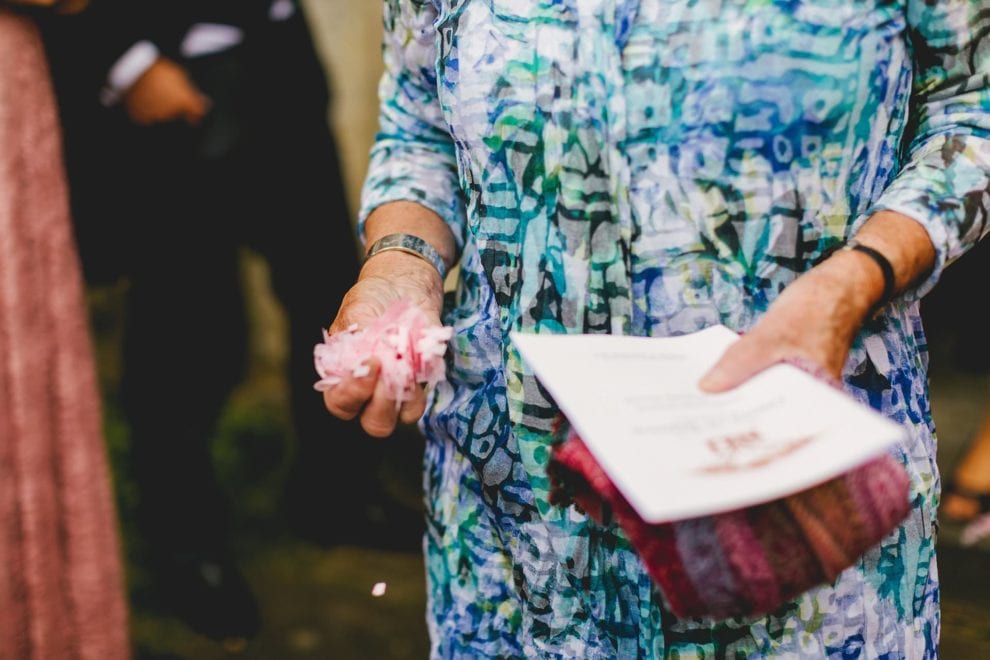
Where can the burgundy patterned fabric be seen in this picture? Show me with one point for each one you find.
(61, 592)
(750, 561)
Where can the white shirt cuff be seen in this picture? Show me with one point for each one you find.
(281, 10)
(209, 38)
(127, 70)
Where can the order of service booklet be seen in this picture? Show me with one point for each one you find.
(676, 452)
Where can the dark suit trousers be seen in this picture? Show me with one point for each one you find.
(262, 171)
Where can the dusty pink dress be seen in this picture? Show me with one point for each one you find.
(61, 592)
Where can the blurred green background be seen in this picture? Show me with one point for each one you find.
(315, 603)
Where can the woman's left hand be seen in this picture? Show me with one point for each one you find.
(815, 319)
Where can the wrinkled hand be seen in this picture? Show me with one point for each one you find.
(164, 94)
(815, 319)
(385, 280)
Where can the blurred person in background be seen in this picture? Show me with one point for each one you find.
(61, 584)
(966, 497)
(955, 321)
(193, 128)
(957, 324)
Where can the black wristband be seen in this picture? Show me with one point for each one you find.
(889, 282)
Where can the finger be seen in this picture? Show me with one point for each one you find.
(381, 414)
(743, 360)
(195, 108)
(338, 325)
(414, 408)
(348, 398)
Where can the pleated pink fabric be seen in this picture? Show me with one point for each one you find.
(61, 587)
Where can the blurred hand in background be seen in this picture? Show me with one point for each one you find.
(165, 93)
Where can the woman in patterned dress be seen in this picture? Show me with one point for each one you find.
(654, 167)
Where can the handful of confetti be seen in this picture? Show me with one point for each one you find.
(408, 347)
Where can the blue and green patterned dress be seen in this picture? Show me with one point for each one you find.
(653, 167)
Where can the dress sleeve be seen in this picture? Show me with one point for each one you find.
(945, 181)
(413, 158)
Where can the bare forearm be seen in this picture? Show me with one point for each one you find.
(904, 242)
(859, 281)
(415, 219)
(817, 316)
(398, 271)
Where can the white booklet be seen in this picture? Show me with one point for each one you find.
(676, 452)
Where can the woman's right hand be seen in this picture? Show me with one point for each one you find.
(385, 279)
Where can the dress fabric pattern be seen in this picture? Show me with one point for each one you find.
(654, 167)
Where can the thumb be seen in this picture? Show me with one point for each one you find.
(195, 107)
(739, 363)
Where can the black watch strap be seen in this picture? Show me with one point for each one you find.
(889, 281)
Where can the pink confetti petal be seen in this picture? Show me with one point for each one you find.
(976, 531)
